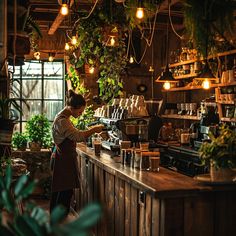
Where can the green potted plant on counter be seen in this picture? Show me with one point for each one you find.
(19, 141)
(38, 129)
(220, 155)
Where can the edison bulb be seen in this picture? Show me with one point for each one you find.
(50, 58)
(166, 85)
(206, 84)
(73, 40)
(91, 70)
(131, 60)
(37, 55)
(139, 13)
(112, 41)
(64, 9)
(67, 46)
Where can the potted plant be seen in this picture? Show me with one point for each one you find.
(8, 116)
(19, 141)
(30, 219)
(38, 129)
(220, 154)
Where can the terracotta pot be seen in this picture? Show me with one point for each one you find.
(35, 147)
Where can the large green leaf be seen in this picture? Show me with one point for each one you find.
(28, 226)
(57, 215)
(7, 200)
(39, 215)
(87, 218)
(8, 176)
(26, 191)
(20, 184)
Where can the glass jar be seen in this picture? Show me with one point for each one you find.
(229, 111)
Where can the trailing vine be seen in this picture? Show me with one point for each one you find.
(207, 20)
(77, 84)
(93, 49)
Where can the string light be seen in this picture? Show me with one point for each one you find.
(37, 55)
(91, 69)
(112, 41)
(73, 40)
(51, 57)
(139, 13)
(64, 10)
(67, 46)
(131, 60)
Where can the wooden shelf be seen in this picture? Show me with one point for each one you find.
(185, 117)
(186, 76)
(228, 119)
(226, 102)
(201, 59)
(186, 88)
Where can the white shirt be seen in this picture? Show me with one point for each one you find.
(62, 128)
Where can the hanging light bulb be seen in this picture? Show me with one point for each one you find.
(131, 60)
(91, 69)
(140, 13)
(51, 57)
(112, 41)
(67, 46)
(166, 85)
(37, 55)
(64, 10)
(73, 40)
(206, 84)
(151, 69)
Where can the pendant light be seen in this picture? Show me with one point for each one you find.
(206, 75)
(166, 76)
(139, 11)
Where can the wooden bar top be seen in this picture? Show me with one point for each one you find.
(165, 183)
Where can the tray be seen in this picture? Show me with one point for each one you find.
(206, 179)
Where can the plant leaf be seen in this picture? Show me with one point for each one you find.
(8, 177)
(20, 184)
(7, 200)
(58, 214)
(87, 218)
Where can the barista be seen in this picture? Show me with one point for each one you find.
(65, 135)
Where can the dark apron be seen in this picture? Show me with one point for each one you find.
(65, 171)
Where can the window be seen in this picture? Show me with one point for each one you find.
(41, 86)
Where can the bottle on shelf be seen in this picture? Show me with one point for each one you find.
(234, 69)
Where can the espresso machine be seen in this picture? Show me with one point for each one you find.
(208, 123)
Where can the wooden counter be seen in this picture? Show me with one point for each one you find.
(145, 203)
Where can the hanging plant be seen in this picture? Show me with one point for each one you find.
(94, 50)
(75, 80)
(208, 20)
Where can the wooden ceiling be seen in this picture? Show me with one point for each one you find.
(54, 26)
(46, 11)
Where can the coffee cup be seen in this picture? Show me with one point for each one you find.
(97, 147)
(154, 163)
(185, 138)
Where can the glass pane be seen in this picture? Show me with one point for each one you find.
(51, 108)
(17, 71)
(33, 108)
(16, 89)
(32, 89)
(53, 70)
(17, 127)
(32, 70)
(53, 89)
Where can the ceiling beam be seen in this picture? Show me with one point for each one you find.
(58, 21)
